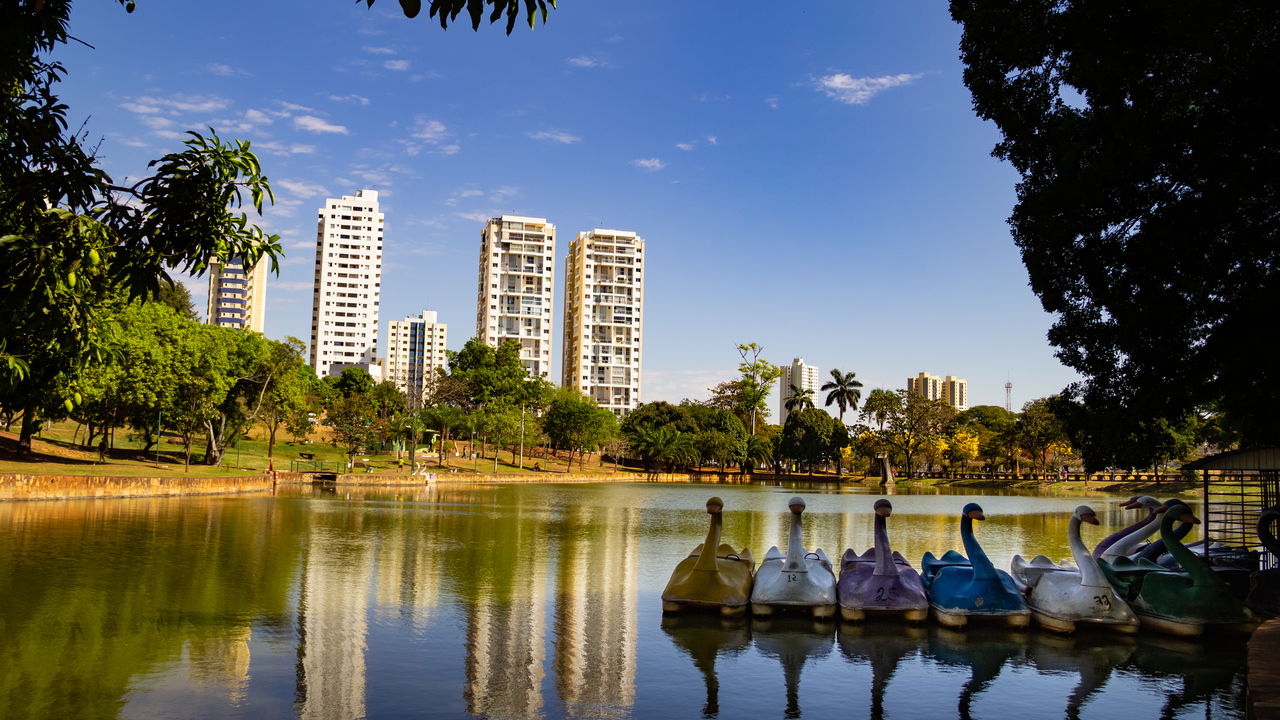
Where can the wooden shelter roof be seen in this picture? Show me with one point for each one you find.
(1249, 459)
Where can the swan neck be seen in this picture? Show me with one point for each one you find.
(982, 567)
(1194, 566)
(795, 545)
(1090, 574)
(1267, 537)
(1129, 543)
(1115, 537)
(707, 560)
(884, 554)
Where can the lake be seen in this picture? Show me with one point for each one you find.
(531, 601)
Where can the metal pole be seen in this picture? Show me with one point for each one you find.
(521, 436)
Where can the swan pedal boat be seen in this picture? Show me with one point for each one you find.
(798, 580)
(1062, 596)
(720, 579)
(1185, 603)
(879, 581)
(1264, 586)
(961, 588)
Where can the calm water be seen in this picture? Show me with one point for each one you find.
(511, 601)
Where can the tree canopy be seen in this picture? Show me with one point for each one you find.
(1149, 156)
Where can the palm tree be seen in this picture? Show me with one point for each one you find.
(844, 390)
(800, 399)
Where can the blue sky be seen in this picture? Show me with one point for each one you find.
(810, 177)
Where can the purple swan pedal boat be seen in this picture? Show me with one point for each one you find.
(880, 582)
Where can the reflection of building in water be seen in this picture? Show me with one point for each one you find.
(409, 569)
(595, 621)
(333, 607)
(506, 629)
(220, 662)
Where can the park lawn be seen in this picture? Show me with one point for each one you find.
(55, 453)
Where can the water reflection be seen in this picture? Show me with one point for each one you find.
(524, 602)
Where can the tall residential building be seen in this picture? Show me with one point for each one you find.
(930, 386)
(603, 317)
(415, 354)
(513, 300)
(956, 392)
(237, 295)
(348, 284)
(952, 390)
(801, 375)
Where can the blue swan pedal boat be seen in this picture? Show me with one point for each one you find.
(799, 580)
(961, 589)
(713, 576)
(1061, 597)
(880, 581)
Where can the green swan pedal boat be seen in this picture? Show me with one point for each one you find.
(714, 576)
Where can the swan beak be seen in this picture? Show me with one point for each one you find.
(1090, 518)
(1129, 504)
(797, 509)
(1189, 518)
(977, 515)
(884, 511)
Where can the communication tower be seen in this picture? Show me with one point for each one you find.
(1008, 396)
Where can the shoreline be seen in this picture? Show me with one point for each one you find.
(18, 487)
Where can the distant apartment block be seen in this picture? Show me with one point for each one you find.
(415, 354)
(603, 318)
(237, 295)
(951, 389)
(801, 375)
(348, 285)
(513, 300)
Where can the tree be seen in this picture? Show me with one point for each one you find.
(843, 389)
(1038, 429)
(1149, 158)
(71, 240)
(352, 381)
(447, 11)
(912, 423)
(575, 423)
(352, 421)
(798, 398)
(811, 436)
(755, 384)
(880, 406)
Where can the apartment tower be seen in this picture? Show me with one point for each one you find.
(237, 295)
(930, 386)
(603, 318)
(952, 390)
(348, 285)
(415, 354)
(801, 375)
(513, 301)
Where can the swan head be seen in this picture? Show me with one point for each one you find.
(715, 505)
(1183, 513)
(796, 504)
(1141, 502)
(883, 507)
(973, 511)
(1085, 514)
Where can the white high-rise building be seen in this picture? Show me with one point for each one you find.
(603, 318)
(237, 295)
(801, 375)
(415, 354)
(951, 389)
(348, 285)
(930, 386)
(513, 300)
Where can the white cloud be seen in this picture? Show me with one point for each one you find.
(289, 107)
(396, 64)
(140, 108)
(470, 193)
(282, 149)
(172, 135)
(184, 103)
(222, 70)
(433, 131)
(585, 61)
(373, 177)
(358, 99)
(449, 149)
(475, 216)
(257, 117)
(311, 123)
(685, 146)
(859, 90)
(379, 50)
(132, 142)
(302, 188)
(555, 136)
(772, 102)
(650, 164)
(156, 122)
(712, 140)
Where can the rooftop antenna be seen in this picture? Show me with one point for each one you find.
(1008, 395)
